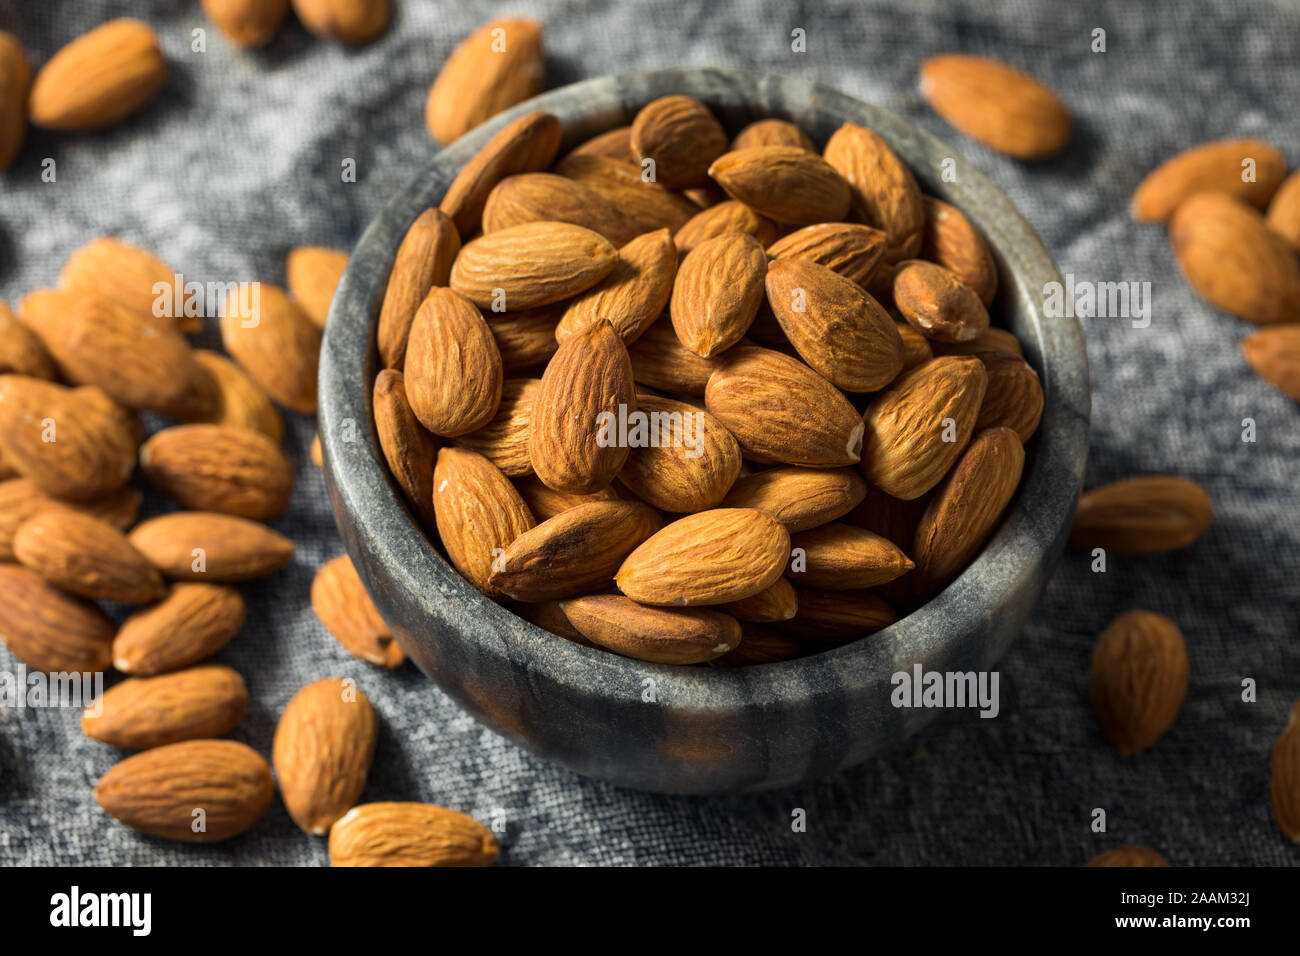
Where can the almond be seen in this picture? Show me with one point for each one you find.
(1139, 679)
(717, 293)
(1128, 856)
(1233, 260)
(1004, 108)
(315, 453)
(20, 498)
(721, 220)
(1014, 397)
(612, 144)
(658, 634)
(407, 446)
(504, 440)
(192, 622)
(15, 79)
(1142, 515)
(207, 546)
(774, 603)
(951, 241)
(544, 502)
(347, 21)
(799, 498)
(549, 616)
(633, 295)
(87, 557)
(916, 347)
(884, 191)
(1283, 212)
(646, 205)
(574, 553)
(498, 65)
(847, 248)
(707, 558)
(323, 746)
(410, 834)
(313, 273)
(1220, 166)
(145, 712)
(49, 630)
(99, 78)
(772, 132)
(278, 346)
(240, 402)
(344, 607)
(219, 468)
(918, 427)
(759, 646)
(247, 23)
(453, 368)
(937, 303)
(1274, 354)
(542, 197)
(838, 329)
(21, 350)
(1284, 777)
(478, 512)
(197, 791)
(989, 340)
(531, 265)
(691, 460)
(659, 360)
(838, 616)
(842, 557)
(423, 261)
(525, 145)
(785, 183)
(526, 339)
(681, 137)
(126, 274)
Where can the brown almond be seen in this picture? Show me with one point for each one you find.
(20, 498)
(219, 468)
(772, 132)
(717, 293)
(145, 712)
(646, 205)
(410, 834)
(843, 557)
(612, 144)
(662, 635)
(240, 401)
(777, 602)
(207, 546)
(847, 248)
(1014, 397)
(916, 347)
(950, 240)
(799, 498)
(453, 368)
(1249, 169)
(191, 623)
(504, 440)
(21, 350)
(884, 191)
(49, 630)
(681, 137)
(1283, 212)
(407, 445)
(87, 557)
(838, 616)
(1128, 856)
(99, 78)
(659, 360)
(423, 261)
(526, 339)
(247, 23)
(344, 607)
(1139, 679)
(633, 295)
(690, 462)
(759, 645)
(544, 502)
(525, 145)
(721, 220)
(549, 616)
(534, 264)
(276, 344)
(1142, 515)
(313, 273)
(15, 80)
(498, 65)
(990, 340)
(936, 303)
(785, 183)
(129, 275)
(1284, 777)
(547, 197)
(1274, 354)
(347, 21)
(478, 512)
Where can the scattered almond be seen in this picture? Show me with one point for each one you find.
(1128, 856)
(126, 274)
(347, 21)
(1139, 679)
(87, 557)
(191, 623)
(313, 273)
(1142, 515)
(21, 350)
(15, 80)
(498, 65)
(219, 468)
(278, 346)
(410, 834)
(207, 546)
(247, 23)
(1284, 777)
(1220, 166)
(1274, 354)
(240, 402)
(145, 712)
(49, 630)
(345, 609)
(99, 78)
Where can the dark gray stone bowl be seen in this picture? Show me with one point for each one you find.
(695, 729)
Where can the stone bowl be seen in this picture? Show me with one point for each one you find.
(698, 730)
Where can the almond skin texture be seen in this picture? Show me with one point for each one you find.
(574, 553)
(423, 261)
(884, 192)
(784, 183)
(1004, 108)
(21, 350)
(1014, 397)
(721, 220)
(526, 340)
(347, 21)
(1142, 515)
(572, 444)
(990, 340)
(15, 79)
(708, 558)
(1284, 777)
(1283, 212)
(240, 402)
(313, 273)
(717, 292)
(541, 197)
(504, 440)
(498, 65)
(834, 617)
(660, 361)
(613, 144)
(847, 248)
(646, 205)
(410, 834)
(87, 557)
(691, 462)
(126, 274)
(192, 622)
(775, 603)
(544, 502)
(838, 329)
(916, 347)
(682, 138)
(207, 546)
(660, 635)
(938, 304)
(904, 451)
(1128, 856)
(278, 346)
(951, 241)
(1274, 354)
(157, 792)
(247, 23)
(49, 630)
(799, 498)
(323, 746)
(219, 468)
(478, 513)
(1139, 679)
(525, 145)
(781, 411)
(145, 712)
(633, 295)
(453, 368)
(345, 609)
(772, 132)
(530, 265)
(1234, 261)
(20, 498)
(99, 78)
(407, 445)
(1210, 167)
(842, 557)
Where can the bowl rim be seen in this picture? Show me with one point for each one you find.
(1034, 526)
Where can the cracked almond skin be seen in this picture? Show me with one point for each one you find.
(799, 498)
(904, 452)
(313, 273)
(1014, 397)
(689, 471)
(786, 183)
(1210, 167)
(1139, 679)
(938, 304)
(1274, 354)
(323, 747)
(423, 261)
(347, 21)
(849, 249)
(781, 411)
(240, 401)
(219, 468)
(98, 79)
(682, 137)
(576, 552)
(717, 292)
(498, 65)
(1128, 856)
(49, 630)
(191, 623)
(884, 191)
(1142, 515)
(126, 274)
(478, 511)
(533, 264)
(145, 712)
(344, 607)
(647, 206)
(410, 834)
(453, 368)
(1284, 777)
(724, 219)
(712, 557)
(660, 361)
(20, 498)
(86, 557)
(525, 145)
(777, 602)
(229, 548)
(548, 197)
(950, 240)
(279, 348)
(157, 791)
(843, 557)
(834, 617)
(633, 295)
(661, 635)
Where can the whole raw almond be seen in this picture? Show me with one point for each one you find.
(87, 557)
(347, 21)
(1274, 354)
(478, 512)
(20, 498)
(192, 622)
(1232, 259)
(207, 546)
(544, 502)
(836, 327)
(785, 183)
(772, 132)
(646, 204)
(586, 388)
(530, 265)
(219, 468)
(526, 339)
(549, 616)
(847, 248)
(410, 834)
(1014, 397)
(759, 645)
(1004, 108)
(837, 616)
(542, 197)
(15, 80)
(247, 23)
(1220, 166)
(504, 440)
(991, 339)
(526, 144)
(21, 350)
(843, 557)
(407, 445)
(49, 630)
(99, 78)
(159, 791)
(799, 498)
(938, 304)
(717, 293)
(918, 427)
(313, 273)
(681, 137)
(574, 553)
(775, 603)
(884, 191)
(1128, 856)
(423, 261)
(127, 274)
(916, 347)
(145, 712)
(1139, 679)
(633, 295)
(1142, 515)
(453, 368)
(662, 635)
(689, 463)
(712, 557)
(240, 401)
(1283, 212)
(276, 344)
(343, 606)
(611, 144)
(659, 360)
(498, 65)
(950, 240)
(1284, 777)
(721, 220)
(323, 746)
(781, 411)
